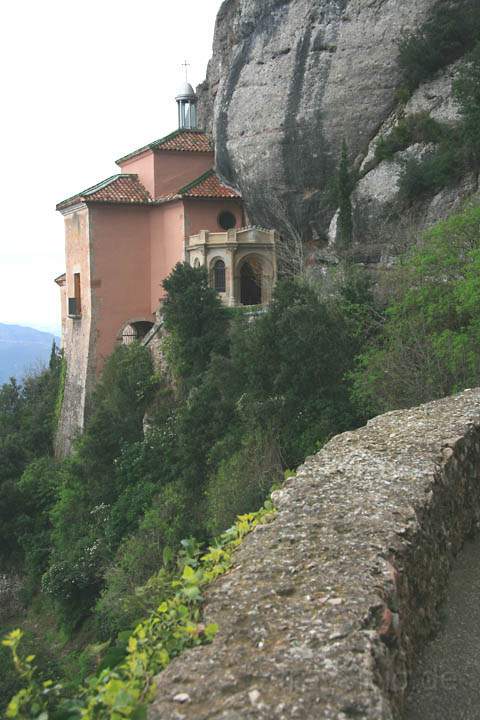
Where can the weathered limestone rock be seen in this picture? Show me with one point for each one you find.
(326, 607)
(289, 80)
(384, 226)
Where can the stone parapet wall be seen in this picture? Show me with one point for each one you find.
(327, 606)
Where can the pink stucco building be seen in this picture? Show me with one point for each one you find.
(124, 235)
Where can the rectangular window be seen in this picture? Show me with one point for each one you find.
(77, 293)
(75, 302)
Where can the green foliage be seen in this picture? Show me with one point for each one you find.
(457, 149)
(295, 390)
(103, 527)
(26, 433)
(344, 190)
(38, 490)
(133, 582)
(174, 626)
(35, 699)
(90, 507)
(451, 30)
(242, 480)
(419, 128)
(428, 175)
(60, 392)
(195, 319)
(430, 343)
(13, 676)
(467, 94)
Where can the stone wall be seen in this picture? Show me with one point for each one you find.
(327, 606)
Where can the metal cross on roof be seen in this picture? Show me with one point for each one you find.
(186, 65)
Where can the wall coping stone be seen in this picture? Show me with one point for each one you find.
(326, 607)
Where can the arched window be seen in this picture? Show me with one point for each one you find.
(219, 276)
(196, 263)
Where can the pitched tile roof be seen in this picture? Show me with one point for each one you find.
(207, 185)
(178, 141)
(119, 188)
(127, 189)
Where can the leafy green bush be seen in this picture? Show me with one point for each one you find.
(242, 481)
(195, 319)
(458, 149)
(430, 343)
(83, 541)
(419, 128)
(295, 390)
(138, 559)
(14, 676)
(467, 94)
(428, 175)
(26, 434)
(38, 488)
(175, 625)
(451, 30)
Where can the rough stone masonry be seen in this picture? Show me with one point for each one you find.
(326, 607)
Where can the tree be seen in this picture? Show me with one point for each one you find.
(27, 413)
(195, 320)
(450, 30)
(295, 389)
(91, 484)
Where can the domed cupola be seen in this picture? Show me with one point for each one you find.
(187, 107)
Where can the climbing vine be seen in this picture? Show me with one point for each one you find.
(125, 690)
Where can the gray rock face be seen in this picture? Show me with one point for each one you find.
(289, 80)
(326, 607)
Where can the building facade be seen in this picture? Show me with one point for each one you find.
(123, 237)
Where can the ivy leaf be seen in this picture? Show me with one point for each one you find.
(210, 631)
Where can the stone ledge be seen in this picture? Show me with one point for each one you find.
(326, 607)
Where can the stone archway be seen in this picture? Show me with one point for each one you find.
(135, 331)
(251, 282)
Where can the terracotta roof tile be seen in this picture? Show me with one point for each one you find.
(116, 189)
(178, 141)
(209, 185)
(126, 189)
(185, 141)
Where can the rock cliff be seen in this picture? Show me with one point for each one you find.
(289, 80)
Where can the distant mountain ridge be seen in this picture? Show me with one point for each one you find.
(22, 349)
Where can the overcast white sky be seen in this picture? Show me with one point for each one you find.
(81, 85)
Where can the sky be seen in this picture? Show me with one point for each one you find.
(81, 85)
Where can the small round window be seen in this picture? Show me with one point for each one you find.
(227, 220)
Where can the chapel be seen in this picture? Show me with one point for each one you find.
(124, 235)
